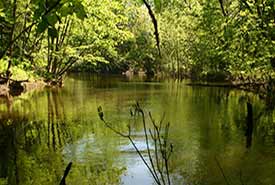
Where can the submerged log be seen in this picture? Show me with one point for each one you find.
(66, 172)
(16, 87)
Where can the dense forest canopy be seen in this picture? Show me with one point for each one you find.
(207, 38)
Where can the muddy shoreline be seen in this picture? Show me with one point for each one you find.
(18, 88)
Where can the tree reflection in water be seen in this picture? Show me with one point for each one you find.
(40, 134)
(32, 150)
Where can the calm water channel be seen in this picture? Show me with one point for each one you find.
(41, 132)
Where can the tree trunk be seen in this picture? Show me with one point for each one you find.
(8, 72)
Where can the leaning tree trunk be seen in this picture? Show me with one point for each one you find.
(155, 23)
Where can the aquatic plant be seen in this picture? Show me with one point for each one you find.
(158, 162)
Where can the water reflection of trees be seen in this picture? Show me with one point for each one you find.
(57, 131)
(265, 122)
(25, 157)
(17, 137)
(221, 117)
(32, 148)
(255, 117)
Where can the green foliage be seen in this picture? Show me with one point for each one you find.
(3, 65)
(3, 181)
(53, 36)
(140, 52)
(116, 35)
(48, 19)
(100, 34)
(198, 38)
(20, 70)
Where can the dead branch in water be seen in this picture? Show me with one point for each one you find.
(158, 164)
(66, 172)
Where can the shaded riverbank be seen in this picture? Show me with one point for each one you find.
(17, 87)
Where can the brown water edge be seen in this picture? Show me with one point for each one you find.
(16, 88)
(8, 93)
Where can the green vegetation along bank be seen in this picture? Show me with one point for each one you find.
(214, 40)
